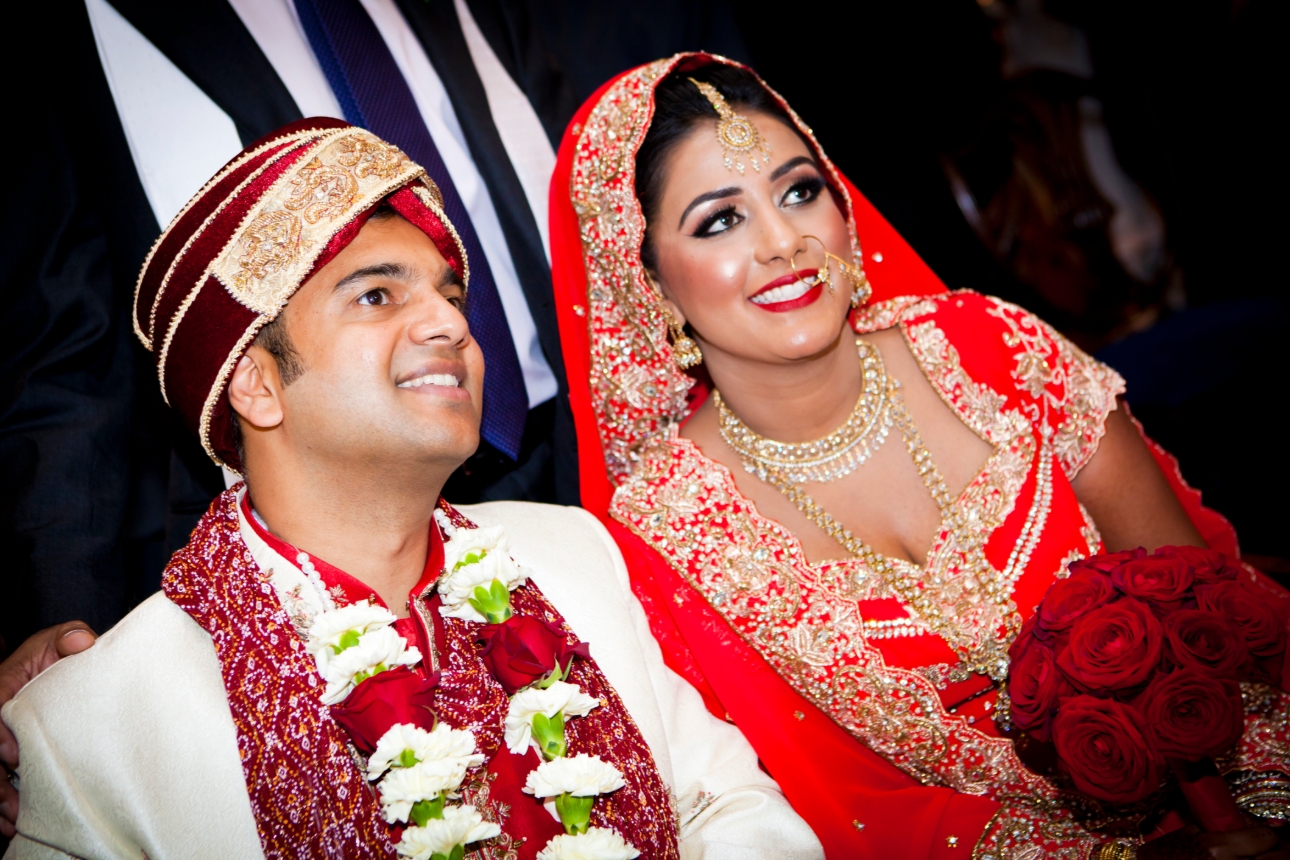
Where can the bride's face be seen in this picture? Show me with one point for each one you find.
(724, 241)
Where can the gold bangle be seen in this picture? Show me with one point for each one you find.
(1116, 851)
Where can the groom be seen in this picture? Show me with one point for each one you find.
(340, 664)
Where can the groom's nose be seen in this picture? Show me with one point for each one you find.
(436, 320)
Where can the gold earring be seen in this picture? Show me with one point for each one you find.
(685, 352)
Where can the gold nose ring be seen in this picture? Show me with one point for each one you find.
(860, 289)
(825, 276)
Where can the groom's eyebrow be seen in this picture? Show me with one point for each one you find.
(729, 191)
(449, 276)
(392, 271)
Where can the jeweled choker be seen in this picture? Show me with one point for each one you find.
(827, 459)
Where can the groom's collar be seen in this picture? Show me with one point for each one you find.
(272, 554)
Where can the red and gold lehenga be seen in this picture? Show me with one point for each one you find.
(880, 737)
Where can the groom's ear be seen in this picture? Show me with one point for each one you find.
(255, 391)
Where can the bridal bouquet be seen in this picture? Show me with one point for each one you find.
(1131, 666)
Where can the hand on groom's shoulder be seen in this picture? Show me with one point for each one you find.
(28, 660)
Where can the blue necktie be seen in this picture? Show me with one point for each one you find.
(373, 94)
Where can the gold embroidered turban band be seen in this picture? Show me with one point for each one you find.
(234, 255)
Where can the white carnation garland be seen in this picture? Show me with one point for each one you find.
(480, 576)
(416, 771)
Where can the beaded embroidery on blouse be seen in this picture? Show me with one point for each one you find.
(805, 619)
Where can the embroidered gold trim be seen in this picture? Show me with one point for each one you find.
(280, 237)
(164, 356)
(430, 195)
(217, 389)
(147, 339)
(1064, 380)
(805, 619)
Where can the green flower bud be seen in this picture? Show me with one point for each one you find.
(574, 812)
(424, 810)
(549, 734)
(494, 603)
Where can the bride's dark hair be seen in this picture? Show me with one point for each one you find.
(678, 105)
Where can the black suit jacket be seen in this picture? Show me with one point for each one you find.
(100, 484)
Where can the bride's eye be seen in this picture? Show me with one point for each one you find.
(373, 298)
(803, 191)
(718, 222)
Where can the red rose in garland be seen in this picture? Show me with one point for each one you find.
(386, 699)
(1193, 714)
(1208, 642)
(1072, 598)
(523, 650)
(1159, 579)
(1100, 745)
(1112, 648)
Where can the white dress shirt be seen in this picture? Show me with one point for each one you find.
(179, 138)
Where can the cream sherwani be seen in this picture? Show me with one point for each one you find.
(129, 749)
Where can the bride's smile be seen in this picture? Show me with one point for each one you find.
(789, 292)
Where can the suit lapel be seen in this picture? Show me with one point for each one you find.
(436, 25)
(519, 46)
(207, 41)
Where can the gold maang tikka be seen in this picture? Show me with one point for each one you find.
(735, 132)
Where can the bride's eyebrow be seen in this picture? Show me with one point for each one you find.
(728, 191)
(790, 164)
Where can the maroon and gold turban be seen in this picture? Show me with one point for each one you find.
(236, 253)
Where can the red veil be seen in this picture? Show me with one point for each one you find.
(625, 391)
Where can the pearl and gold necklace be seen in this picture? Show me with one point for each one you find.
(786, 466)
(834, 456)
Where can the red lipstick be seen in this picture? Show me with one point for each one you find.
(798, 301)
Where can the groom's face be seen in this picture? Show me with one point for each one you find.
(391, 375)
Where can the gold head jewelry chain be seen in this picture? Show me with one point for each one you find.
(782, 466)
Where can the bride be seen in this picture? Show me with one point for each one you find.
(840, 488)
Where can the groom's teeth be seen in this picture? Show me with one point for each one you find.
(786, 293)
(432, 379)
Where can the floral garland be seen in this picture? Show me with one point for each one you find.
(480, 576)
(418, 765)
(416, 770)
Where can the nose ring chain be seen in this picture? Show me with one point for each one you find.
(860, 289)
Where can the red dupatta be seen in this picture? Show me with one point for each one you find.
(626, 392)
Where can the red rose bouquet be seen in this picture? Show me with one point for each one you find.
(1130, 668)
